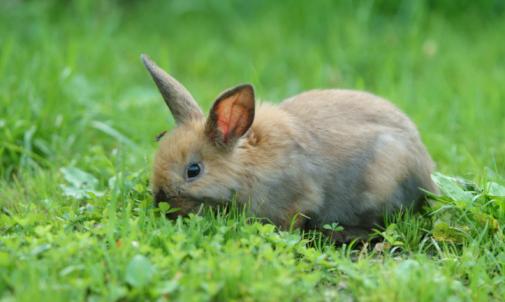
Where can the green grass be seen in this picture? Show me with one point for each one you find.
(74, 97)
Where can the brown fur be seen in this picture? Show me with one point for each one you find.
(322, 156)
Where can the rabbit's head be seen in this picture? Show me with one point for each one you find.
(197, 161)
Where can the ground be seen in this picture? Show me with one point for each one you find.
(79, 114)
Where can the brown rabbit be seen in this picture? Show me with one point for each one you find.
(320, 157)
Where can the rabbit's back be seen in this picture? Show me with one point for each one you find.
(366, 155)
(345, 108)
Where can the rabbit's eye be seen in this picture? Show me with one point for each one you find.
(193, 170)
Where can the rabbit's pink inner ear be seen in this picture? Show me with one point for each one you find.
(232, 119)
(232, 114)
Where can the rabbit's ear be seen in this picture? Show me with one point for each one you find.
(176, 96)
(231, 115)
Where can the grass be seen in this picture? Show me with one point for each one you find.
(78, 117)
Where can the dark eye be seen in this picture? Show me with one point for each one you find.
(193, 170)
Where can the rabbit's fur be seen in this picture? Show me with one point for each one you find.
(320, 157)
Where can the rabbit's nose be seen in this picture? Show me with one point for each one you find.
(160, 196)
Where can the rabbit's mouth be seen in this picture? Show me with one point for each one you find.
(185, 205)
(182, 205)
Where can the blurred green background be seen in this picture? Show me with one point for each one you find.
(70, 69)
(78, 117)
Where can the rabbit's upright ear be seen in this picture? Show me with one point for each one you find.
(176, 96)
(231, 116)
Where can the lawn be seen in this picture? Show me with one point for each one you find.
(79, 114)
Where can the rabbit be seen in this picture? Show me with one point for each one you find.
(319, 157)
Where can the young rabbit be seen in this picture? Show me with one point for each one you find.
(320, 157)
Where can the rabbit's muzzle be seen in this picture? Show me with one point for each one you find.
(183, 206)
